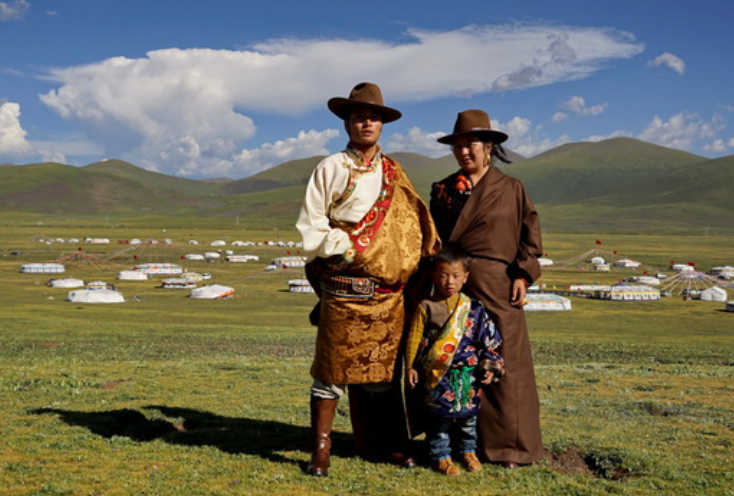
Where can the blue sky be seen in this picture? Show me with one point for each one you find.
(227, 88)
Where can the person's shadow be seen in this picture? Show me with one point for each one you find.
(263, 438)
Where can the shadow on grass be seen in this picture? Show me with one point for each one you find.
(264, 438)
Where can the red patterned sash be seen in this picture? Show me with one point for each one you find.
(366, 229)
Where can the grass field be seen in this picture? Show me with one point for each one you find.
(164, 395)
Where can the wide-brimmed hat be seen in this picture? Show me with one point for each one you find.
(366, 95)
(475, 122)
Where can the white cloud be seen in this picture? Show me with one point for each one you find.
(417, 141)
(13, 11)
(672, 61)
(247, 162)
(13, 143)
(682, 130)
(526, 139)
(188, 111)
(577, 105)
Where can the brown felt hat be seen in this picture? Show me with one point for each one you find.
(475, 122)
(367, 95)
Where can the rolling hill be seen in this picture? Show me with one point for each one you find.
(620, 185)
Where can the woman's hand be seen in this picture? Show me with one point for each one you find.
(519, 291)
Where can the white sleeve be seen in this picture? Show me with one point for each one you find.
(319, 239)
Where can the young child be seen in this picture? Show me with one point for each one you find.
(450, 351)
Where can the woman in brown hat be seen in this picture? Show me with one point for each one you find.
(490, 216)
(365, 230)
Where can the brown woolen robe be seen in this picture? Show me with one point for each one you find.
(499, 227)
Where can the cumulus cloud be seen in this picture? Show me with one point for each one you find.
(247, 162)
(577, 105)
(528, 139)
(682, 130)
(669, 60)
(418, 141)
(190, 111)
(14, 11)
(13, 142)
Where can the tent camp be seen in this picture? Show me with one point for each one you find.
(545, 262)
(213, 292)
(714, 293)
(42, 268)
(66, 283)
(688, 283)
(546, 301)
(299, 286)
(95, 296)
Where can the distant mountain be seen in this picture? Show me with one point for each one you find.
(111, 187)
(620, 184)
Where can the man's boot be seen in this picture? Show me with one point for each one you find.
(362, 416)
(322, 419)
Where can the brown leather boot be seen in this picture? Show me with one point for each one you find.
(322, 419)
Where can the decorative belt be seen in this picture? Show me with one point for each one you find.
(355, 287)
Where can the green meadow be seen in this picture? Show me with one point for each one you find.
(166, 395)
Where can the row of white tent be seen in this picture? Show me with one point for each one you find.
(211, 292)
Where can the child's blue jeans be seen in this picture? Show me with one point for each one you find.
(439, 433)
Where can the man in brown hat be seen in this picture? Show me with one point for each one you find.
(365, 229)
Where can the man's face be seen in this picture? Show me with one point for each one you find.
(364, 127)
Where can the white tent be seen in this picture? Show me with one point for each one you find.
(286, 262)
(159, 268)
(95, 296)
(714, 293)
(242, 258)
(178, 283)
(627, 263)
(132, 275)
(629, 292)
(213, 292)
(66, 283)
(42, 268)
(299, 286)
(546, 301)
(647, 280)
(545, 262)
(725, 271)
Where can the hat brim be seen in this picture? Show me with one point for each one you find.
(485, 135)
(342, 107)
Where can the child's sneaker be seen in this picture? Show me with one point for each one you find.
(446, 467)
(471, 462)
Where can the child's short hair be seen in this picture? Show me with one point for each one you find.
(450, 254)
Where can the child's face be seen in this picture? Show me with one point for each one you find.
(449, 278)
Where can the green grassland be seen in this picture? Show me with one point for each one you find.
(165, 395)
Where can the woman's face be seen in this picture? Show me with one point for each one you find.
(471, 154)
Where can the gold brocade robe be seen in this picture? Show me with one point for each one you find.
(359, 338)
